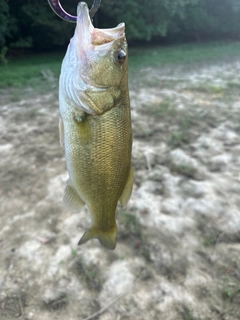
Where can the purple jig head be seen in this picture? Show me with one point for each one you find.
(58, 9)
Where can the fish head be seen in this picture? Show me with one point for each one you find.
(102, 53)
(95, 62)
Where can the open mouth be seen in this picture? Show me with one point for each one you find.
(94, 36)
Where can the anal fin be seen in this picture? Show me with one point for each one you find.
(127, 191)
(71, 200)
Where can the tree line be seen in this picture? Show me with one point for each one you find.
(31, 24)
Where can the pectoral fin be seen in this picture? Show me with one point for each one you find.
(72, 200)
(107, 238)
(126, 194)
(61, 132)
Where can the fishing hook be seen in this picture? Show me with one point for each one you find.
(58, 9)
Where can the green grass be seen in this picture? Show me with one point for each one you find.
(88, 274)
(34, 71)
(206, 88)
(185, 54)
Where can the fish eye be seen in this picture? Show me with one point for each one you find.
(121, 56)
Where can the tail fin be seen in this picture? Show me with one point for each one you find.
(107, 238)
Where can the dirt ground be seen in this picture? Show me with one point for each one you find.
(178, 250)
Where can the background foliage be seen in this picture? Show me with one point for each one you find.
(30, 24)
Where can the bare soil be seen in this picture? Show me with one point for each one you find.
(178, 251)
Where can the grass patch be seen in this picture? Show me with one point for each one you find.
(187, 314)
(188, 128)
(230, 294)
(35, 71)
(13, 306)
(185, 54)
(164, 111)
(88, 274)
(128, 226)
(208, 89)
(130, 231)
(180, 126)
(38, 71)
(186, 170)
(59, 303)
(233, 85)
(231, 91)
(209, 233)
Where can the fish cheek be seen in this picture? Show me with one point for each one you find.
(108, 73)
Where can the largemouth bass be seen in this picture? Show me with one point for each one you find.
(95, 125)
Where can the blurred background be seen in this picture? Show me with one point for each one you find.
(178, 247)
(30, 26)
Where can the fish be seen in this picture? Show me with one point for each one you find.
(95, 125)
